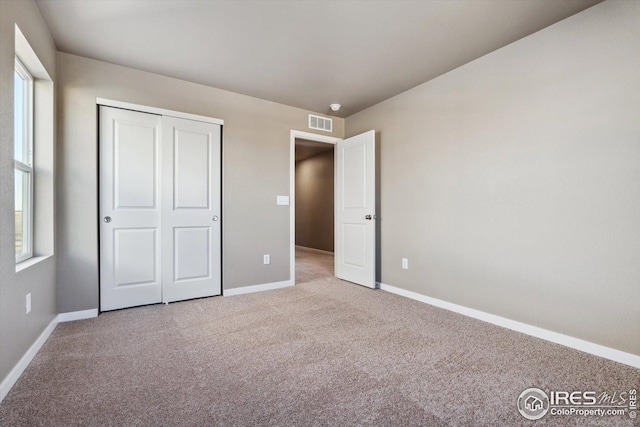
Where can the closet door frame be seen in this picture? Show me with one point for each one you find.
(170, 113)
(160, 111)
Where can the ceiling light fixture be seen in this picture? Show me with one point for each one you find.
(334, 107)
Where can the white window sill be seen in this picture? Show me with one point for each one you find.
(23, 265)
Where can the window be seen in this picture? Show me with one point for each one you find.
(23, 161)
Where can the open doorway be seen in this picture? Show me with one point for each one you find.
(314, 210)
(312, 206)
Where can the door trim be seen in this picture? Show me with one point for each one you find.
(292, 190)
(160, 111)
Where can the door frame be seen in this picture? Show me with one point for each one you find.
(159, 111)
(292, 190)
(105, 102)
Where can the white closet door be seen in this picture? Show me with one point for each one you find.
(191, 205)
(130, 238)
(355, 255)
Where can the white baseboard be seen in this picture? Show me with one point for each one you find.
(318, 251)
(575, 343)
(256, 288)
(17, 370)
(77, 315)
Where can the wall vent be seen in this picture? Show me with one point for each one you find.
(320, 123)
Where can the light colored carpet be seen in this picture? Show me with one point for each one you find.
(324, 352)
(312, 266)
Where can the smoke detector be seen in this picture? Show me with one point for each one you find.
(334, 107)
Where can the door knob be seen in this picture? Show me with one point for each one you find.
(107, 219)
(215, 218)
(368, 217)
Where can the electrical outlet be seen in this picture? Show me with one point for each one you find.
(405, 264)
(28, 304)
(267, 259)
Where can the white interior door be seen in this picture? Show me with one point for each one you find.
(191, 205)
(130, 238)
(355, 255)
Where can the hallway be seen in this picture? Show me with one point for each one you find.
(312, 265)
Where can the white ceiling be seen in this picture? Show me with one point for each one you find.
(307, 54)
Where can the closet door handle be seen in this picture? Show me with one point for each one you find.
(215, 218)
(107, 219)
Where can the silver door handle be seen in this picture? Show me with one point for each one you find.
(107, 219)
(368, 217)
(215, 218)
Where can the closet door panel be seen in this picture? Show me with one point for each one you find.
(130, 217)
(191, 209)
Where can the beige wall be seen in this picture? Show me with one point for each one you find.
(512, 184)
(18, 331)
(256, 148)
(314, 202)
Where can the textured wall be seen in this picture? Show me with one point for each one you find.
(18, 331)
(314, 202)
(512, 184)
(256, 140)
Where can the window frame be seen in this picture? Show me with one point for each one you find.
(27, 154)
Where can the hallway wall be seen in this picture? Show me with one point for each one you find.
(315, 201)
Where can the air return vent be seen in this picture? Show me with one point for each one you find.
(320, 123)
